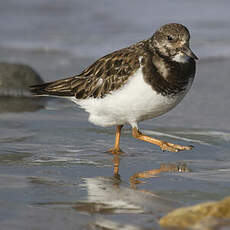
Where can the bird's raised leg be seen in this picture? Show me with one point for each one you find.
(163, 145)
(116, 149)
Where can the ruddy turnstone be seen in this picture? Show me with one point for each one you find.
(136, 83)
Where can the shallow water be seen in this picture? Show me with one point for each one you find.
(55, 172)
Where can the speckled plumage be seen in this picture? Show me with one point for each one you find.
(112, 71)
(139, 82)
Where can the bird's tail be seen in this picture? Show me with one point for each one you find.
(60, 88)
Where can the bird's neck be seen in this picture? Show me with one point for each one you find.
(162, 65)
(165, 76)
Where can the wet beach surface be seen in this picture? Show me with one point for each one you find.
(55, 172)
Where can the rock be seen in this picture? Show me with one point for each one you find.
(15, 95)
(199, 215)
(212, 224)
(15, 79)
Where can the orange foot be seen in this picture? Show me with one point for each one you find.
(174, 147)
(162, 144)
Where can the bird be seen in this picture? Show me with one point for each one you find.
(133, 84)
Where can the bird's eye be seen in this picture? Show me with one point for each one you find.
(170, 38)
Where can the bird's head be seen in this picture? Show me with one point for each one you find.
(172, 41)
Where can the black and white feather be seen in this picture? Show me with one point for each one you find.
(136, 83)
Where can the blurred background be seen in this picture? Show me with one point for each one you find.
(45, 154)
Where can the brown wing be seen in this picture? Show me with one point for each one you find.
(106, 74)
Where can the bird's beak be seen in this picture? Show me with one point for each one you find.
(188, 52)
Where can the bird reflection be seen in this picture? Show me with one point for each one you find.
(172, 167)
(153, 172)
(111, 195)
(116, 164)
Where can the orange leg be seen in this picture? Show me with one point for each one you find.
(116, 163)
(152, 173)
(163, 145)
(116, 149)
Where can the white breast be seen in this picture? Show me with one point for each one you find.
(134, 102)
(181, 58)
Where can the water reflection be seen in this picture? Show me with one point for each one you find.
(105, 224)
(110, 201)
(153, 172)
(150, 173)
(20, 104)
(112, 195)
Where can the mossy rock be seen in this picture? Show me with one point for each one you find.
(15, 82)
(190, 216)
(15, 79)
